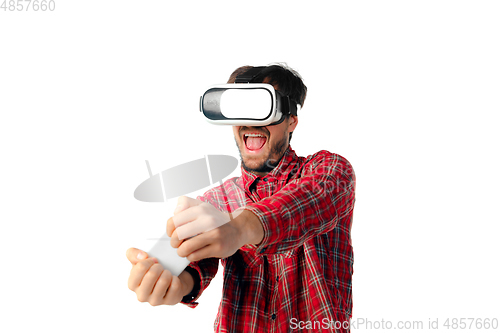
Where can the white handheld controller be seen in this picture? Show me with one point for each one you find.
(176, 181)
(167, 256)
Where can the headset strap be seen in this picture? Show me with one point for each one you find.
(288, 106)
(292, 107)
(249, 75)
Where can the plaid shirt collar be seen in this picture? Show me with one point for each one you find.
(281, 172)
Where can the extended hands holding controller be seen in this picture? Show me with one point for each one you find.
(216, 235)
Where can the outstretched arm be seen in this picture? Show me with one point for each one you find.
(308, 206)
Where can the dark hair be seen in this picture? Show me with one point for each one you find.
(284, 78)
(288, 81)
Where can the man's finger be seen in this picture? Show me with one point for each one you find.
(201, 225)
(173, 295)
(135, 255)
(206, 252)
(170, 226)
(187, 215)
(194, 228)
(137, 273)
(193, 244)
(147, 283)
(161, 287)
(175, 242)
(184, 203)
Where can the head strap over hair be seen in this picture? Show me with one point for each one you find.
(249, 75)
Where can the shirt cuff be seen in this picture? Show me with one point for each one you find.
(190, 298)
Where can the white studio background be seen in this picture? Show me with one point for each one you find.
(407, 91)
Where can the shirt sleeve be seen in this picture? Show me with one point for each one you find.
(206, 270)
(309, 205)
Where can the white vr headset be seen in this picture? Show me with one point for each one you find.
(246, 104)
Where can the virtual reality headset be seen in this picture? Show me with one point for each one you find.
(246, 104)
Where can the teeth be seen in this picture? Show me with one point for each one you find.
(255, 135)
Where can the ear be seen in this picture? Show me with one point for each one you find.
(292, 122)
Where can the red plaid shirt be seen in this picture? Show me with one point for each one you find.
(299, 276)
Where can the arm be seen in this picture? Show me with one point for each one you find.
(307, 206)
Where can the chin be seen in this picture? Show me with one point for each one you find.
(259, 166)
(253, 162)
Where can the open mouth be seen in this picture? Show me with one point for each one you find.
(254, 141)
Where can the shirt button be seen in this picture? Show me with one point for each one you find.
(273, 316)
(277, 279)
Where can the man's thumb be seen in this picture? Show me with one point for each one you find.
(135, 255)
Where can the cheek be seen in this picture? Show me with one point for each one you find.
(236, 133)
(277, 135)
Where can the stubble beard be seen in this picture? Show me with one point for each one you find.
(278, 149)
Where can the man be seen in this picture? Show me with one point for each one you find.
(286, 252)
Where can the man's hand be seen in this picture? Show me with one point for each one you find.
(225, 237)
(153, 284)
(193, 217)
